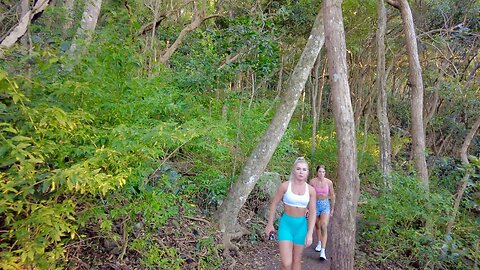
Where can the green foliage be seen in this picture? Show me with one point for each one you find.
(359, 17)
(405, 225)
(155, 257)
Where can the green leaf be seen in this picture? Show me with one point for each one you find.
(20, 138)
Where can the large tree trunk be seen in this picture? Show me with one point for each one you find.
(384, 126)
(87, 25)
(261, 155)
(343, 223)
(416, 84)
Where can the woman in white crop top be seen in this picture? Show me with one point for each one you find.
(295, 232)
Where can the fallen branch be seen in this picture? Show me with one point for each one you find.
(198, 18)
(197, 219)
(20, 30)
(125, 239)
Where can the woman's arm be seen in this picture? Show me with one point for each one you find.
(331, 197)
(312, 204)
(273, 207)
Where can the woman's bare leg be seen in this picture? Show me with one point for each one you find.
(324, 219)
(286, 254)
(297, 257)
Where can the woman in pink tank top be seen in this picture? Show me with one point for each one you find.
(324, 208)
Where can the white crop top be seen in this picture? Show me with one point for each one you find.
(292, 199)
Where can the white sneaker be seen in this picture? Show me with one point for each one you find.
(322, 255)
(319, 246)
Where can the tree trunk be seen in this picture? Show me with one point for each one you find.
(261, 155)
(198, 18)
(22, 26)
(69, 7)
(315, 106)
(87, 25)
(462, 185)
(24, 9)
(343, 223)
(416, 84)
(382, 115)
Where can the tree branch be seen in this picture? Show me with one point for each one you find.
(394, 3)
(22, 25)
(198, 18)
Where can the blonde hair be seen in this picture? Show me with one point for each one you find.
(298, 160)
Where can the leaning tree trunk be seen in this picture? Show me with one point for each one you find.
(416, 84)
(343, 223)
(21, 28)
(384, 126)
(462, 185)
(261, 155)
(87, 25)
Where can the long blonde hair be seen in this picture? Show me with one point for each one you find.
(298, 160)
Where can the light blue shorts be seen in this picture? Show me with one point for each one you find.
(323, 207)
(293, 229)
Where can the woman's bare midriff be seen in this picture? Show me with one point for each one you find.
(294, 211)
(322, 196)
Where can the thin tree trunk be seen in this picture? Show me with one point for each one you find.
(315, 107)
(69, 7)
(343, 223)
(24, 8)
(198, 17)
(87, 26)
(462, 185)
(382, 111)
(261, 155)
(320, 95)
(252, 93)
(416, 84)
(365, 128)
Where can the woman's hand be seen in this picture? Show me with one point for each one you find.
(268, 229)
(331, 213)
(308, 240)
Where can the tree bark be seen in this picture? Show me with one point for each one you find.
(87, 25)
(416, 84)
(22, 25)
(343, 223)
(315, 105)
(198, 18)
(382, 112)
(24, 8)
(69, 7)
(462, 185)
(261, 155)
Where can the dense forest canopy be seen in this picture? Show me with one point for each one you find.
(124, 124)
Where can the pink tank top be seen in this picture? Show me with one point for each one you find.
(321, 191)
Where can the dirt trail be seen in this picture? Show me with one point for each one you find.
(310, 258)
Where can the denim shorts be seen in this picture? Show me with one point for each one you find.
(323, 207)
(293, 229)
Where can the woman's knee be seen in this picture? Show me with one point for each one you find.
(286, 263)
(323, 226)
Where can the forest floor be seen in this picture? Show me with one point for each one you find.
(187, 234)
(265, 255)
